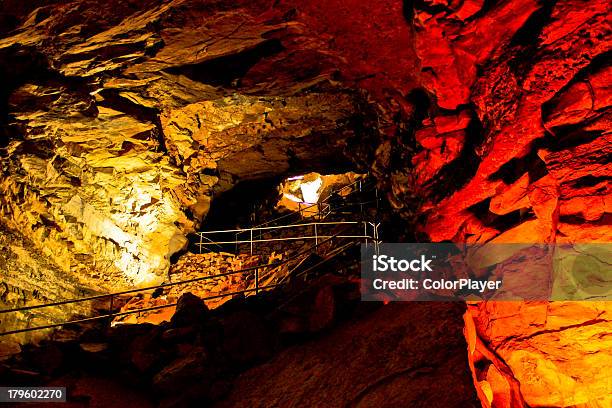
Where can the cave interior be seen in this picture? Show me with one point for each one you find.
(187, 188)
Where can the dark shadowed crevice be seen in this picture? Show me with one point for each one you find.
(587, 182)
(13, 13)
(235, 207)
(503, 222)
(246, 195)
(512, 170)
(460, 171)
(430, 7)
(421, 100)
(408, 10)
(526, 39)
(17, 66)
(572, 136)
(604, 221)
(227, 70)
(527, 35)
(113, 100)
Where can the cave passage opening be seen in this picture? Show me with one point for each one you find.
(306, 195)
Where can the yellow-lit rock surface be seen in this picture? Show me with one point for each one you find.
(121, 134)
(310, 193)
(30, 278)
(227, 275)
(100, 197)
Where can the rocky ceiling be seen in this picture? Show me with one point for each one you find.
(483, 120)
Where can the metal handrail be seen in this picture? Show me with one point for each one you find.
(277, 227)
(237, 232)
(158, 307)
(337, 210)
(254, 239)
(128, 312)
(163, 285)
(202, 237)
(115, 294)
(300, 238)
(336, 251)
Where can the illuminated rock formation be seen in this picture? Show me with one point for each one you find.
(535, 167)
(120, 132)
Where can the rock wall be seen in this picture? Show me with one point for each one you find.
(120, 125)
(29, 277)
(514, 146)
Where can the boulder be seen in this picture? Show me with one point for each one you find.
(190, 310)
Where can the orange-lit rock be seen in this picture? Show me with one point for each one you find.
(535, 77)
(511, 198)
(558, 352)
(442, 142)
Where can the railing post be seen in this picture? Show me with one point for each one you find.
(360, 200)
(200, 246)
(316, 238)
(251, 241)
(377, 242)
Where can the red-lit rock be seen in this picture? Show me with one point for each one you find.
(535, 77)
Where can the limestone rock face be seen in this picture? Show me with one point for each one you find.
(94, 192)
(120, 125)
(29, 276)
(547, 354)
(514, 146)
(242, 137)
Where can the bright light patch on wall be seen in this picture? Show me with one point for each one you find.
(139, 272)
(305, 193)
(311, 190)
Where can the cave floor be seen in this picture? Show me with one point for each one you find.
(411, 355)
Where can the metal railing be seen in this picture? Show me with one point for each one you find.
(310, 231)
(315, 231)
(112, 296)
(324, 208)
